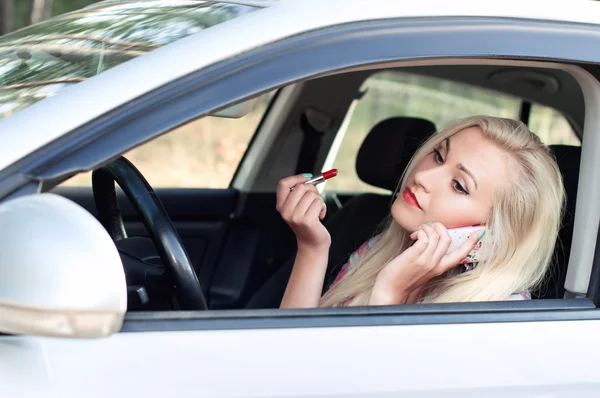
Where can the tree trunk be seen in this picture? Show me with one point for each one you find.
(47, 9)
(6, 14)
(36, 11)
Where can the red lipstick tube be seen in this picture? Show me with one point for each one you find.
(316, 180)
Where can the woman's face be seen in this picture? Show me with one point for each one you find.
(454, 184)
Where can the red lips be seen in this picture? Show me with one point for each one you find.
(410, 198)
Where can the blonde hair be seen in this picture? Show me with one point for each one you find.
(521, 228)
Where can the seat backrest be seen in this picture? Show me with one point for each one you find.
(568, 159)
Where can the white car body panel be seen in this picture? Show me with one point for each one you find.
(47, 120)
(491, 360)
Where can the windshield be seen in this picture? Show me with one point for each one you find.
(38, 61)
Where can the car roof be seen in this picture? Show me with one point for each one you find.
(53, 117)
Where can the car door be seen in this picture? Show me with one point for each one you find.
(504, 349)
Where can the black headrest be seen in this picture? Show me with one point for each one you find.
(568, 158)
(387, 149)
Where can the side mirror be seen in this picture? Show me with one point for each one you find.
(60, 272)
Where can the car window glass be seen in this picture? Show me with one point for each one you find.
(551, 126)
(40, 60)
(204, 153)
(391, 93)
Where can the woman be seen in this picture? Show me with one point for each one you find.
(480, 171)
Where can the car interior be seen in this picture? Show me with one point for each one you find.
(237, 244)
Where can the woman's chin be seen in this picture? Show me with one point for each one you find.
(404, 218)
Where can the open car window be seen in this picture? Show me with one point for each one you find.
(203, 153)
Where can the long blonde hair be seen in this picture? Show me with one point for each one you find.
(521, 228)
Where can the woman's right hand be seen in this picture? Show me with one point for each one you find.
(426, 259)
(303, 209)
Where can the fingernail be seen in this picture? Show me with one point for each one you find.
(481, 233)
(306, 175)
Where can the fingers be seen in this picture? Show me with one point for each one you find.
(283, 188)
(303, 204)
(443, 244)
(433, 238)
(456, 257)
(316, 209)
(422, 241)
(323, 211)
(438, 242)
(298, 202)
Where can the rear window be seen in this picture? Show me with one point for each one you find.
(397, 93)
(38, 61)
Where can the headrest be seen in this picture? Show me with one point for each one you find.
(568, 158)
(387, 149)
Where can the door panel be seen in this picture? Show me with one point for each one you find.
(234, 241)
(500, 360)
(258, 243)
(182, 204)
(201, 217)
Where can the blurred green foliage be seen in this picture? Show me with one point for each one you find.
(21, 9)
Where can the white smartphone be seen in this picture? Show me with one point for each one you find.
(460, 236)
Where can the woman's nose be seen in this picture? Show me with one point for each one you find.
(426, 179)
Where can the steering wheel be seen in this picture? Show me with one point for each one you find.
(157, 221)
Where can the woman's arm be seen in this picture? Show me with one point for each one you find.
(302, 209)
(306, 281)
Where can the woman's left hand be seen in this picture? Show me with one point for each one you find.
(417, 265)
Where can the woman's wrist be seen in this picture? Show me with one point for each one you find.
(311, 257)
(386, 294)
(316, 249)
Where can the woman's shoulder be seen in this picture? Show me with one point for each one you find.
(523, 295)
(369, 243)
(355, 257)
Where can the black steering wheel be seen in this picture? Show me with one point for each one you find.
(158, 223)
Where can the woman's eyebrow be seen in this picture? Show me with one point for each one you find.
(460, 166)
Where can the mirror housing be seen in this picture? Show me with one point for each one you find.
(238, 110)
(60, 272)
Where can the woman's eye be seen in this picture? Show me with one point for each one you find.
(459, 188)
(438, 156)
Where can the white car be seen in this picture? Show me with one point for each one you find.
(173, 292)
